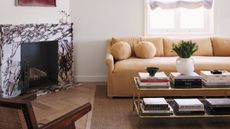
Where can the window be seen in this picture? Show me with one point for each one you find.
(178, 21)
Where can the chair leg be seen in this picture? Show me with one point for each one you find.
(71, 126)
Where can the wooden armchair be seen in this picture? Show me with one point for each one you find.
(18, 114)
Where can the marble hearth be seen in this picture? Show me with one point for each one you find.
(11, 38)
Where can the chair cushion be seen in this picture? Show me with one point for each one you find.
(145, 49)
(121, 50)
(221, 46)
(204, 44)
(168, 64)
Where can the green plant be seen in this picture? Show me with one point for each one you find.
(185, 49)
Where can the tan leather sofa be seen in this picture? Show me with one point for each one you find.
(213, 53)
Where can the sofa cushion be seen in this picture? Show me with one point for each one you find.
(221, 46)
(167, 64)
(204, 44)
(158, 43)
(121, 50)
(145, 49)
(132, 41)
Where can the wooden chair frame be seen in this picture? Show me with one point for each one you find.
(64, 122)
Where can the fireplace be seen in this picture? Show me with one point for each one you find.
(19, 45)
(39, 65)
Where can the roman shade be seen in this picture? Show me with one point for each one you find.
(189, 4)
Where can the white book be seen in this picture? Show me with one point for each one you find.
(209, 77)
(155, 101)
(166, 84)
(190, 104)
(176, 75)
(146, 76)
(215, 83)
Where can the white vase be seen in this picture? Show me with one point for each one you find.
(185, 65)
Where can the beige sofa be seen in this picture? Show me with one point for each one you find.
(213, 53)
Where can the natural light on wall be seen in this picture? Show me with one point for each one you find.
(164, 19)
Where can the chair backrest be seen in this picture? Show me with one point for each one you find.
(15, 114)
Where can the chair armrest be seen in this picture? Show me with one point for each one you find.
(26, 97)
(110, 62)
(68, 119)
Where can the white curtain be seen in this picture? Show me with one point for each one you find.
(189, 4)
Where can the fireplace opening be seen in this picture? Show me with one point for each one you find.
(39, 65)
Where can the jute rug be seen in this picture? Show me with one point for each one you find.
(117, 113)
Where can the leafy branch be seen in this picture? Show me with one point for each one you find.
(185, 49)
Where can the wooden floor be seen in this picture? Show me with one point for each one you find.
(51, 106)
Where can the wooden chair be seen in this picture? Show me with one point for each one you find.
(19, 114)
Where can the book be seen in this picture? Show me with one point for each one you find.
(216, 110)
(156, 112)
(215, 83)
(209, 77)
(158, 76)
(218, 102)
(155, 102)
(190, 104)
(189, 112)
(176, 75)
(153, 84)
(186, 83)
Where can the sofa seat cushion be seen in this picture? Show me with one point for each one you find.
(168, 64)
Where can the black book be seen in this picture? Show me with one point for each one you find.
(216, 111)
(218, 102)
(187, 83)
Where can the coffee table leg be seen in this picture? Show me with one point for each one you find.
(139, 123)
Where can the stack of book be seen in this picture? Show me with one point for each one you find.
(189, 106)
(215, 80)
(160, 80)
(185, 81)
(155, 106)
(217, 106)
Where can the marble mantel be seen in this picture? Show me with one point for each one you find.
(12, 36)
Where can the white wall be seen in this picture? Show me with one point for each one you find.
(96, 21)
(222, 17)
(11, 14)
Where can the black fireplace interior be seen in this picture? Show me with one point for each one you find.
(39, 65)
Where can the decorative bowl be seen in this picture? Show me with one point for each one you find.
(152, 70)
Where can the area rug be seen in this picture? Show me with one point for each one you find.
(116, 113)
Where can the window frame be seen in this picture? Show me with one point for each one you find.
(208, 22)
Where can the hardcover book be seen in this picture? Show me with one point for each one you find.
(153, 84)
(156, 112)
(188, 105)
(155, 102)
(218, 102)
(186, 83)
(176, 75)
(158, 76)
(216, 78)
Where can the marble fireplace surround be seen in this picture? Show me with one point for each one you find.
(11, 38)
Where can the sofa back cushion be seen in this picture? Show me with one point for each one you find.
(221, 46)
(158, 43)
(204, 44)
(132, 41)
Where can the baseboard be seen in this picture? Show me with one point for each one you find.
(95, 78)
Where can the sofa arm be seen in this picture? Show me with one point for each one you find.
(110, 62)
